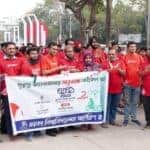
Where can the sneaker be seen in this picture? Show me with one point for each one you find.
(136, 122)
(28, 137)
(125, 122)
(37, 133)
(147, 127)
(115, 124)
(90, 127)
(104, 125)
(51, 132)
(12, 138)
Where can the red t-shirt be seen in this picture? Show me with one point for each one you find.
(70, 64)
(133, 64)
(99, 56)
(79, 57)
(120, 56)
(9, 67)
(1, 54)
(115, 78)
(29, 69)
(146, 78)
(50, 62)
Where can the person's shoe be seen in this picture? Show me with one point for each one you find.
(120, 112)
(51, 133)
(104, 125)
(12, 138)
(72, 128)
(137, 122)
(115, 124)
(28, 137)
(84, 127)
(37, 133)
(90, 127)
(125, 122)
(147, 127)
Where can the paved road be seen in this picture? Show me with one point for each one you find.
(131, 137)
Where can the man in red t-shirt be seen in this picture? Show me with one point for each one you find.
(69, 61)
(146, 88)
(133, 62)
(32, 65)
(50, 63)
(10, 65)
(50, 66)
(116, 69)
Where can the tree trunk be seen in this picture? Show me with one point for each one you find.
(108, 20)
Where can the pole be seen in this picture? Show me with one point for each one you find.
(60, 28)
(25, 31)
(31, 29)
(37, 30)
(148, 24)
(18, 34)
(70, 29)
(14, 34)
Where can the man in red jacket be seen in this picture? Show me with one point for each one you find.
(10, 65)
(133, 63)
(69, 61)
(146, 88)
(116, 69)
(32, 66)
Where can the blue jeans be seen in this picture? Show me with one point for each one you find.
(132, 98)
(112, 104)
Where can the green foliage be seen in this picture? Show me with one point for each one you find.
(140, 4)
(125, 19)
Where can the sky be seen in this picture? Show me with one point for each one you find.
(16, 8)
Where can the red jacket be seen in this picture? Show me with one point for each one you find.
(9, 67)
(146, 78)
(115, 78)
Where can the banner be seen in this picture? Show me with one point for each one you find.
(58, 101)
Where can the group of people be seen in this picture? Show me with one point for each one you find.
(129, 74)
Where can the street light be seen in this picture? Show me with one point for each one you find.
(148, 24)
(59, 11)
(70, 22)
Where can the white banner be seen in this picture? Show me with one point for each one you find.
(57, 101)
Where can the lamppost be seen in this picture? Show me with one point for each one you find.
(70, 23)
(59, 11)
(148, 24)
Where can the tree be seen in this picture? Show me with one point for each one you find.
(87, 19)
(141, 4)
(108, 19)
(126, 19)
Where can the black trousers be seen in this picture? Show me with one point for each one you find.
(146, 104)
(6, 126)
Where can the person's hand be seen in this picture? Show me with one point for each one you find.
(119, 70)
(73, 70)
(35, 73)
(147, 69)
(62, 67)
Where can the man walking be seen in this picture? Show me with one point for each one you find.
(133, 63)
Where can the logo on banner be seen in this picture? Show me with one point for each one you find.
(24, 125)
(65, 92)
